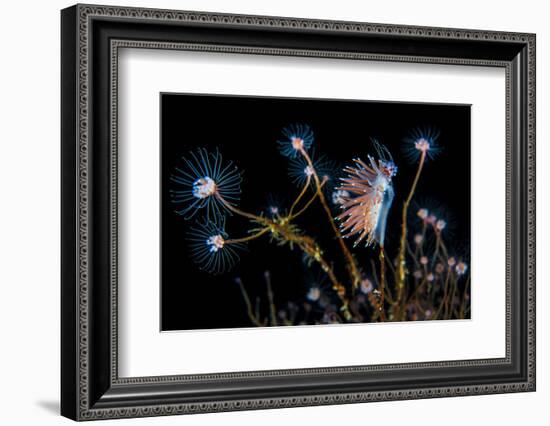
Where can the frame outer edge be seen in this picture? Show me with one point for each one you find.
(81, 365)
(69, 220)
(531, 213)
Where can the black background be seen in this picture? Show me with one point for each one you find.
(245, 129)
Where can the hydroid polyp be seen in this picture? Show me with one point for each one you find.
(210, 247)
(205, 182)
(296, 137)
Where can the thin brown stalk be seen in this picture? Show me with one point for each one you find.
(401, 266)
(382, 258)
(449, 305)
(240, 212)
(272, 309)
(249, 238)
(249, 311)
(306, 206)
(353, 269)
(373, 265)
(463, 304)
(417, 290)
(413, 255)
(445, 295)
(299, 197)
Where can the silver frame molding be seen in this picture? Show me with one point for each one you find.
(91, 39)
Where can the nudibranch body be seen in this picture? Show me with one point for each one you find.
(370, 189)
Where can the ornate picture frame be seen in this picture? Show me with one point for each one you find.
(91, 38)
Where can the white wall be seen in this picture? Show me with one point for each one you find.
(29, 210)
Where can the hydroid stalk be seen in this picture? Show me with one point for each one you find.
(401, 264)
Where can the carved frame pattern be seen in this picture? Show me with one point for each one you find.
(85, 409)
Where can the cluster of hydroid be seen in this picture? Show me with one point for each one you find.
(423, 281)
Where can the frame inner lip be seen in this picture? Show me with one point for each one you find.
(520, 63)
(115, 44)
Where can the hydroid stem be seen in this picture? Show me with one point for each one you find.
(304, 189)
(272, 309)
(401, 265)
(239, 212)
(249, 238)
(382, 258)
(352, 266)
(249, 311)
(311, 200)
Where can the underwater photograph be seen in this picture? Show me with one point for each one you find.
(304, 212)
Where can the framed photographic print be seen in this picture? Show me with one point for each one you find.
(290, 262)
(266, 212)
